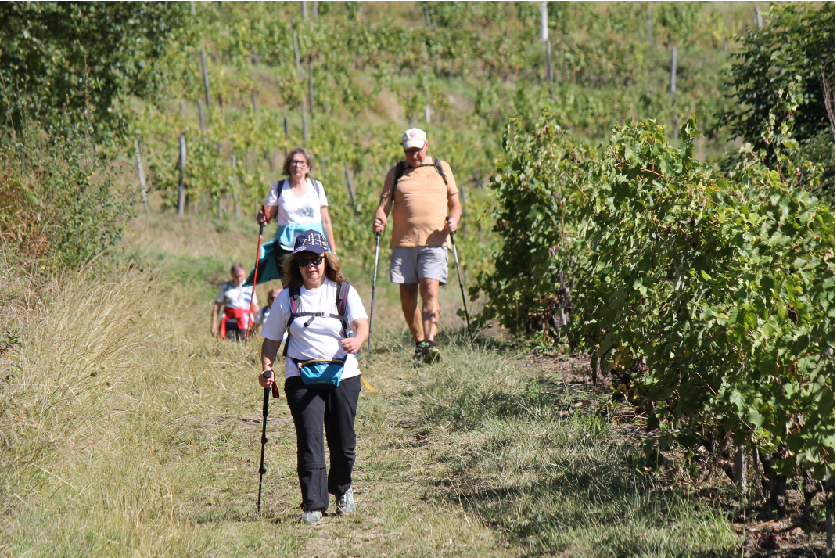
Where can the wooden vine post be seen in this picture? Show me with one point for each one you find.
(140, 174)
(304, 120)
(310, 86)
(549, 68)
(673, 93)
(200, 116)
(425, 55)
(740, 468)
(205, 76)
(181, 188)
(350, 189)
(296, 54)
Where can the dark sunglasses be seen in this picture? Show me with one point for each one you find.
(305, 262)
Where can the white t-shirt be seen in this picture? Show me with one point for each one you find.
(293, 209)
(322, 337)
(236, 297)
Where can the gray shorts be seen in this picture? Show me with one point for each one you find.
(411, 263)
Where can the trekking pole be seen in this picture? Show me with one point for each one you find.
(255, 280)
(461, 284)
(374, 283)
(261, 468)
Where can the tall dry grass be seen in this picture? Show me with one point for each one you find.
(90, 402)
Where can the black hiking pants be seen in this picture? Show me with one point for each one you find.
(334, 410)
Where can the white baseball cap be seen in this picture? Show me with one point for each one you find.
(413, 138)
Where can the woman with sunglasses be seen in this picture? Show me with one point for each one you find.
(298, 203)
(317, 333)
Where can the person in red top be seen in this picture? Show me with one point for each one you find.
(419, 194)
(234, 299)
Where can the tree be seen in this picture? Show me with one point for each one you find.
(76, 59)
(794, 49)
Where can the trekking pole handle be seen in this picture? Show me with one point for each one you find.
(275, 388)
(260, 229)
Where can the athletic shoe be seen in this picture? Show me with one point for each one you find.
(311, 517)
(431, 352)
(420, 351)
(345, 503)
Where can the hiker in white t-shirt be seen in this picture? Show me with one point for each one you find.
(234, 298)
(298, 203)
(326, 325)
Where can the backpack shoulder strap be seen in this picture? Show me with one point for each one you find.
(342, 308)
(342, 304)
(400, 169)
(294, 294)
(437, 165)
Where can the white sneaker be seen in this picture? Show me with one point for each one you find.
(311, 517)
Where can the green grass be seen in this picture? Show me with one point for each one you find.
(128, 431)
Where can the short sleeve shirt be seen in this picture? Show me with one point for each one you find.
(322, 337)
(293, 209)
(420, 206)
(232, 296)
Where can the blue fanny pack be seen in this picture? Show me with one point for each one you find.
(323, 373)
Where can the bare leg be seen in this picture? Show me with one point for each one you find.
(411, 312)
(429, 307)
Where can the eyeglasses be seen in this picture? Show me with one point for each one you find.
(305, 262)
(302, 163)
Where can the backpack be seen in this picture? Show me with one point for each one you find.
(401, 169)
(342, 303)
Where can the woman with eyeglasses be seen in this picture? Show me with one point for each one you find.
(298, 203)
(326, 325)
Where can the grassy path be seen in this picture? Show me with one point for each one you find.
(145, 439)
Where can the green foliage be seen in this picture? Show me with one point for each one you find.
(58, 201)
(715, 291)
(81, 58)
(533, 185)
(723, 285)
(10, 338)
(795, 46)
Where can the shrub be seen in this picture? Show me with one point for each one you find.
(59, 204)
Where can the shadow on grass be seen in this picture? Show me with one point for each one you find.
(532, 462)
(597, 504)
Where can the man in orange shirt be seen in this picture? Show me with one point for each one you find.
(422, 190)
